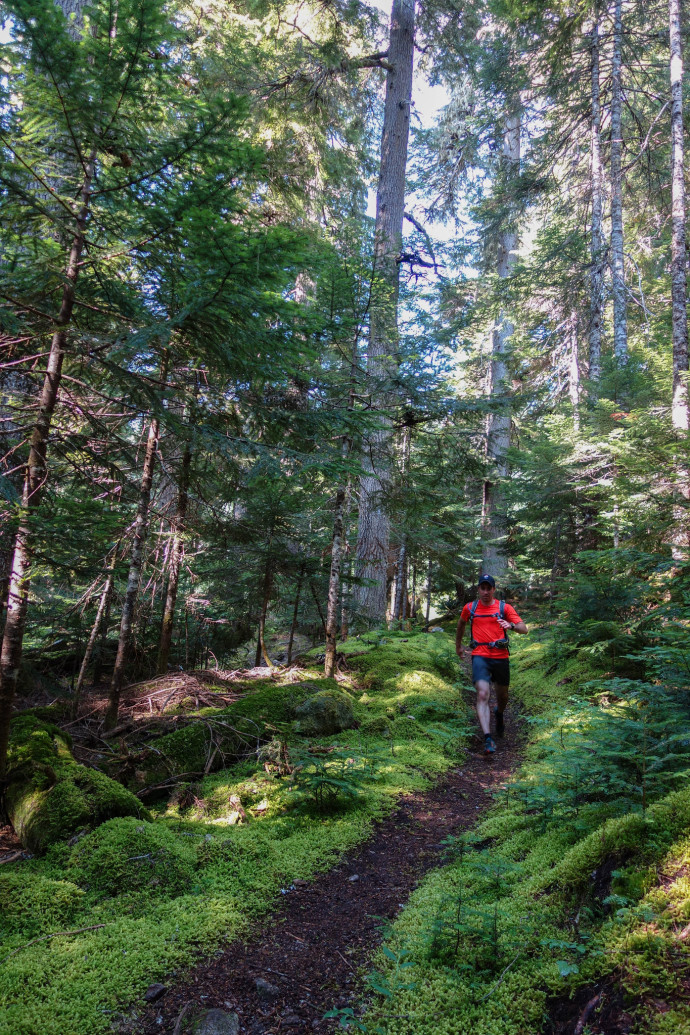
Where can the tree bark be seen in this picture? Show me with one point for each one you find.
(334, 582)
(338, 540)
(428, 594)
(574, 369)
(134, 577)
(266, 597)
(293, 624)
(679, 409)
(398, 610)
(103, 607)
(620, 320)
(597, 245)
(399, 598)
(494, 514)
(374, 524)
(35, 478)
(175, 561)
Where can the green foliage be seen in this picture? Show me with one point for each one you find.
(325, 778)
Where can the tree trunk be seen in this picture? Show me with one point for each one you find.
(398, 610)
(103, 607)
(428, 594)
(574, 369)
(374, 525)
(315, 597)
(620, 320)
(175, 562)
(338, 541)
(494, 514)
(597, 246)
(261, 651)
(334, 582)
(35, 478)
(134, 577)
(344, 614)
(679, 410)
(399, 598)
(100, 655)
(293, 624)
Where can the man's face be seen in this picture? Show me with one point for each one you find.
(486, 592)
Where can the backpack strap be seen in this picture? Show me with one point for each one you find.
(502, 644)
(473, 611)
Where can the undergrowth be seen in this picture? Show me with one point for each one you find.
(218, 854)
(579, 874)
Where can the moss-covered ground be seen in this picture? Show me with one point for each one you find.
(579, 874)
(158, 893)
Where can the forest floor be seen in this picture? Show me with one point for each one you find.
(312, 955)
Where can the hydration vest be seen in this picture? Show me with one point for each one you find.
(502, 644)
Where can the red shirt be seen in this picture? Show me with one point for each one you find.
(485, 628)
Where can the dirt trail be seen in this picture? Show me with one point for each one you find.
(314, 949)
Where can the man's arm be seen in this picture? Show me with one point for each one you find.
(458, 637)
(518, 627)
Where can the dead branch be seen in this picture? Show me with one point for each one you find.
(45, 937)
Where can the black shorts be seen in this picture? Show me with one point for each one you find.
(493, 670)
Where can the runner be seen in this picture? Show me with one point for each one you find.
(489, 621)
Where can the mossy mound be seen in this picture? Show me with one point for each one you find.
(125, 855)
(378, 726)
(393, 656)
(221, 737)
(406, 727)
(199, 745)
(31, 903)
(50, 796)
(324, 714)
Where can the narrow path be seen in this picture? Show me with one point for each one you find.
(312, 951)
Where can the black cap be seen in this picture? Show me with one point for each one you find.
(487, 578)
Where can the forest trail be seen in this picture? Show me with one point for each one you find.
(316, 949)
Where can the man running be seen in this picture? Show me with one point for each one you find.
(489, 622)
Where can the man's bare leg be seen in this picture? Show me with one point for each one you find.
(501, 696)
(483, 688)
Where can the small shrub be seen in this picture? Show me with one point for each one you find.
(325, 780)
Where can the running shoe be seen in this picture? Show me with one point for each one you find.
(489, 746)
(500, 725)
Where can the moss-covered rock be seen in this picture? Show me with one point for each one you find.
(125, 855)
(325, 713)
(50, 796)
(32, 903)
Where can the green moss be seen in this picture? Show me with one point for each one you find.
(33, 904)
(125, 855)
(327, 712)
(378, 725)
(49, 796)
(201, 880)
(567, 892)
